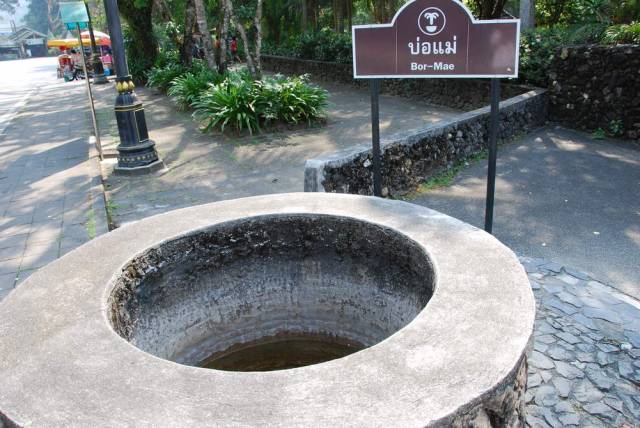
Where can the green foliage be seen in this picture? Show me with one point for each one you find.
(161, 77)
(8, 5)
(138, 65)
(290, 99)
(599, 134)
(231, 102)
(37, 17)
(565, 12)
(244, 104)
(623, 33)
(616, 128)
(324, 45)
(166, 57)
(187, 88)
(538, 47)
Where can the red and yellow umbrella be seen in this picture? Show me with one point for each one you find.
(101, 40)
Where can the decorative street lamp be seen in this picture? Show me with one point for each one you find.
(98, 70)
(136, 152)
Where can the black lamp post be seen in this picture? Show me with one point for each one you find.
(136, 152)
(98, 69)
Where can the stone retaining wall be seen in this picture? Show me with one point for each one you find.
(411, 158)
(463, 94)
(597, 87)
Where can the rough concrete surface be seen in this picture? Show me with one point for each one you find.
(411, 157)
(561, 196)
(204, 168)
(60, 346)
(51, 196)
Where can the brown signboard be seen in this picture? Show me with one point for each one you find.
(436, 38)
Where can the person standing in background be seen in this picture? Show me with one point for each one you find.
(234, 49)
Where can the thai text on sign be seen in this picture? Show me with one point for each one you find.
(436, 38)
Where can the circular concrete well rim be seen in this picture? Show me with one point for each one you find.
(63, 364)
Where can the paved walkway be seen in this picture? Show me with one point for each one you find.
(584, 369)
(206, 168)
(561, 196)
(51, 198)
(585, 356)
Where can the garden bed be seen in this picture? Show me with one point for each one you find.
(235, 100)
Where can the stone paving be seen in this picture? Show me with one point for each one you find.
(204, 168)
(584, 368)
(561, 195)
(51, 197)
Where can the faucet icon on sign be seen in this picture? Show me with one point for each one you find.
(431, 21)
(431, 16)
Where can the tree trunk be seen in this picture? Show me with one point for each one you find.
(490, 9)
(143, 42)
(349, 12)
(224, 32)
(527, 14)
(201, 18)
(187, 36)
(337, 6)
(257, 22)
(160, 7)
(253, 58)
(313, 8)
(305, 16)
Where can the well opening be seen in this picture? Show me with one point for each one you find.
(271, 292)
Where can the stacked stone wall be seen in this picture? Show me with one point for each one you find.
(412, 158)
(595, 87)
(462, 94)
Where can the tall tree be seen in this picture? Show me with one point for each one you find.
(252, 49)
(138, 16)
(223, 34)
(37, 17)
(186, 48)
(8, 6)
(527, 14)
(201, 19)
(489, 9)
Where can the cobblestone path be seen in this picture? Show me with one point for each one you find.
(584, 368)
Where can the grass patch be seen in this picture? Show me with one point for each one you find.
(445, 178)
(112, 209)
(91, 224)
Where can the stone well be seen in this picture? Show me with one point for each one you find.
(429, 318)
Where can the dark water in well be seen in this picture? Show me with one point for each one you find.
(282, 353)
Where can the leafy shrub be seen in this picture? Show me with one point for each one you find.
(231, 102)
(290, 100)
(161, 77)
(187, 88)
(138, 64)
(539, 46)
(242, 103)
(623, 33)
(166, 57)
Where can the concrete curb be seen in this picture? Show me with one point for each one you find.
(98, 193)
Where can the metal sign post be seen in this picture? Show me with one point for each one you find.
(374, 85)
(437, 39)
(92, 108)
(74, 16)
(493, 154)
